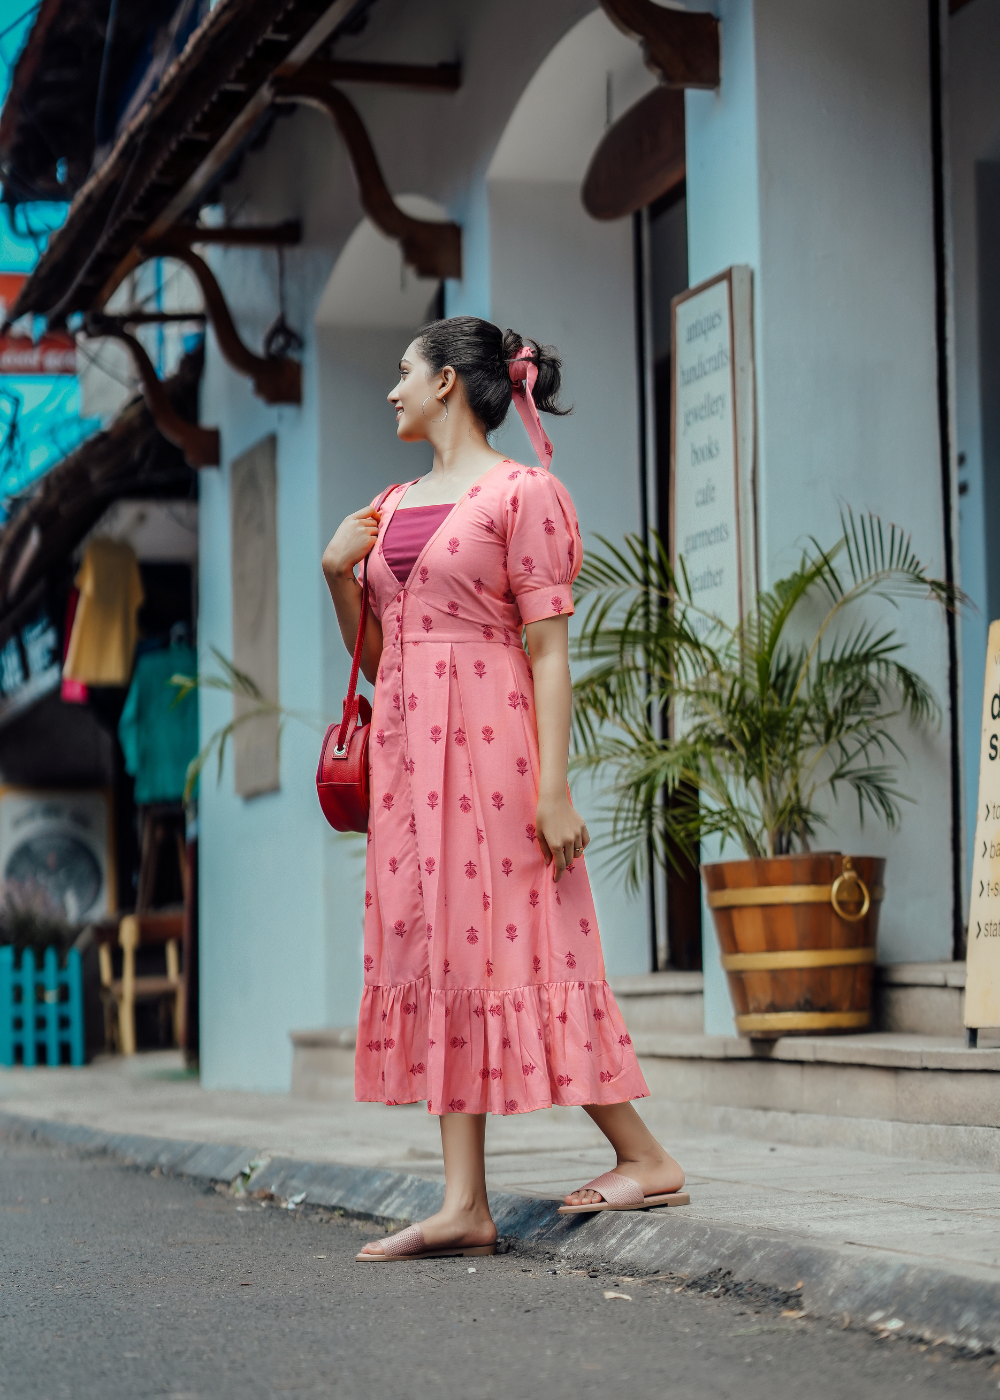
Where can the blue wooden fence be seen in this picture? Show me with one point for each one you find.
(41, 1008)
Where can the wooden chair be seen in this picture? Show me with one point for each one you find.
(162, 926)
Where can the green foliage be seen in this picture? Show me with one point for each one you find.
(798, 701)
(241, 686)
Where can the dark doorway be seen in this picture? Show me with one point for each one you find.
(668, 275)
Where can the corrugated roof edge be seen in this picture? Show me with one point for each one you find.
(35, 295)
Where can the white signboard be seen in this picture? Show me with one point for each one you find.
(712, 524)
(982, 976)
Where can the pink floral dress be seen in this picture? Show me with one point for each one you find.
(484, 980)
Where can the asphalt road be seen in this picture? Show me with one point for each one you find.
(116, 1284)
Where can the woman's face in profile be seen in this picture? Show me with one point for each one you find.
(409, 394)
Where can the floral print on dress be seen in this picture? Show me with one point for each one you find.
(514, 961)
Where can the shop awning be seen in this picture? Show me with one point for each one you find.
(85, 69)
(209, 104)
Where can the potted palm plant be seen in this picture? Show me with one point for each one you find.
(749, 734)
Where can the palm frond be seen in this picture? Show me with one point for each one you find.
(251, 704)
(762, 723)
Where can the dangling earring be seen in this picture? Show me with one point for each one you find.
(444, 405)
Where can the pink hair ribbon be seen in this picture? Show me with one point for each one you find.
(523, 373)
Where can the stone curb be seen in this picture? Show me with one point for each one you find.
(902, 1298)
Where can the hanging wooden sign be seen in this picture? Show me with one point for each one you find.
(712, 511)
(639, 158)
(982, 976)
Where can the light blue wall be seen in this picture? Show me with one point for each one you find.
(723, 196)
(471, 295)
(812, 164)
(261, 921)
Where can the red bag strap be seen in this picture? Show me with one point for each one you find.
(359, 644)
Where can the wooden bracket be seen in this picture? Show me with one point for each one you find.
(419, 77)
(277, 380)
(283, 235)
(134, 316)
(680, 46)
(640, 157)
(200, 445)
(431, 249)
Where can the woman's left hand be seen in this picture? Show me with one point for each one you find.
(562, 833)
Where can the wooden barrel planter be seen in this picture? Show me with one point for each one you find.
(798, 936)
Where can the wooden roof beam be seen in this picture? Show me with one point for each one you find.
(431, 249)
(139, 317)
(418, 77)
(283, 235)
(189, 127)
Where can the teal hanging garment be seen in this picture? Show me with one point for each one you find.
(159, 739)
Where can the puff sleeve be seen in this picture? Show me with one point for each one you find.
(544, 547)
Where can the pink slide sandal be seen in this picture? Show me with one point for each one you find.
(622, 1193)
(410, 1244)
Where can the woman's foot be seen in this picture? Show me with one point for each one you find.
(464, 1228)
(655, 1171)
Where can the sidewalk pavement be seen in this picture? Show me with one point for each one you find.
(910, 1247)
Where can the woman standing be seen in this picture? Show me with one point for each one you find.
(484, 981)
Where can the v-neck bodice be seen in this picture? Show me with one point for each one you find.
(408, 531)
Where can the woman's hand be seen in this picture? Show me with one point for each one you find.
(562, 833)
(353, 540)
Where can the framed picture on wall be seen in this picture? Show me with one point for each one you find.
(58, 848)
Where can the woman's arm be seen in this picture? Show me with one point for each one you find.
(562, 832)
(354, 538)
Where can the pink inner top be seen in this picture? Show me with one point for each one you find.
(408, 532)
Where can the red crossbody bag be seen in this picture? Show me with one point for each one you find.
(342, 778)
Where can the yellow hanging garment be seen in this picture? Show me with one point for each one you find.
(103, 639)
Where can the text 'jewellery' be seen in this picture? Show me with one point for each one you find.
(523, 373)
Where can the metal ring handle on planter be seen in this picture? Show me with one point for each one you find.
(850, 875)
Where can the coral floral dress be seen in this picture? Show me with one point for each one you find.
(484, 980)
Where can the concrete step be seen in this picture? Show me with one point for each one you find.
(673, 1002)
(322, 1060)
(920, 998)
(924, 1096)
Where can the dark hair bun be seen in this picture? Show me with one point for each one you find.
(480, 354)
